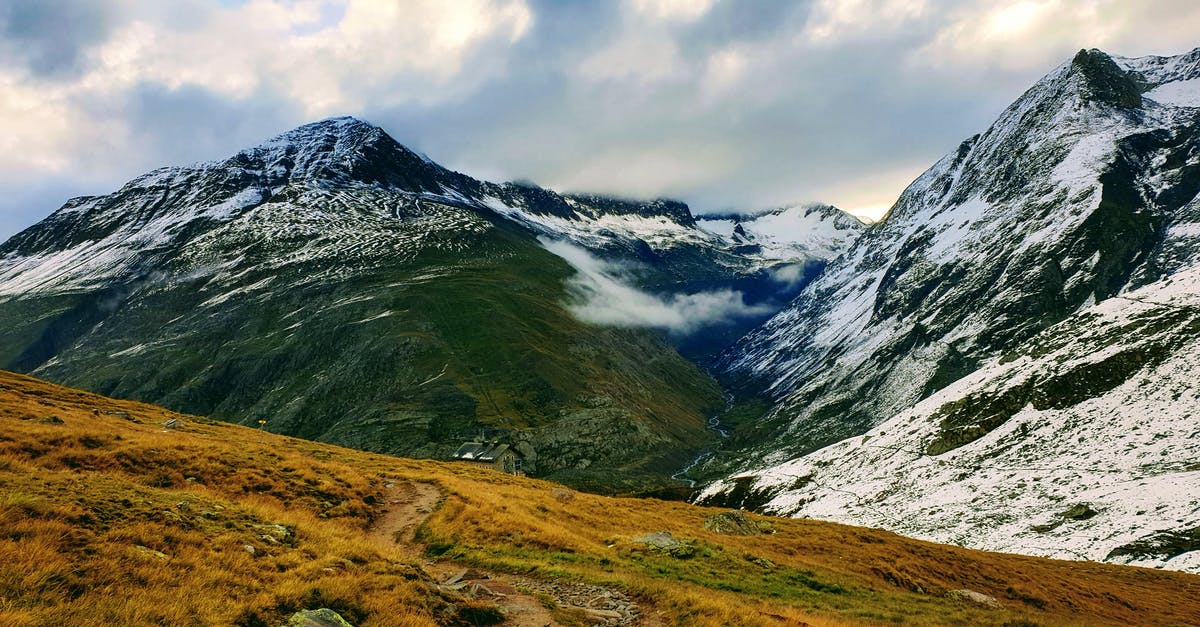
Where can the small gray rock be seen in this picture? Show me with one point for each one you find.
(733, 523)
(971, 596)
(659, 540)
(323, 617)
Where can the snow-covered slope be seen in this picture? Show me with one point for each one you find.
(1018, 340)
(1084, 443)
(1081, 189)
(814, 230)
(312, 182)
(597, 221)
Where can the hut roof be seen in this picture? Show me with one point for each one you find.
(480, 451)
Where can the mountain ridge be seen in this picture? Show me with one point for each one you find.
(944, 218)
(1083, 191)
(339, 286)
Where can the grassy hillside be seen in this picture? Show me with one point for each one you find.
(388, 353)
(108, 516)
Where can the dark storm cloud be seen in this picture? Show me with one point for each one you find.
(733, 22)
(50, 37)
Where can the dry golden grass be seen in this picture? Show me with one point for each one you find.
(108, 518)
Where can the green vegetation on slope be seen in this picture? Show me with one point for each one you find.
(399, 355)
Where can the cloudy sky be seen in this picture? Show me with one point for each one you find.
(728, 105)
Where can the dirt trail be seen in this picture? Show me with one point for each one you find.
(407, 504)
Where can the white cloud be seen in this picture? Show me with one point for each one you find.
(834, 20)
(603, 296)
(42, 138)
(1033, 35)
(670, 10)
(643, 58)
(378, 42)
(723, 71)
(1018, 35)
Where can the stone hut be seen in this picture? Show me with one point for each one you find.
(493, 455)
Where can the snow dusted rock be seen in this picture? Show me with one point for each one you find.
(338, 286)
(1016, 345)
(1081, 189)
(1082, 443)
(789, 233)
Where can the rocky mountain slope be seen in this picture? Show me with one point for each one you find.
(341, 287)
(1052, 262)
(813, 231)
(1083, 188)
(1081, 443)
(117, 512)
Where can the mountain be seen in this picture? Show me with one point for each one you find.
(339, 287)
(1082, 188)
(1009, 263)
(1081, 443)
(117, 512)
(814, 231)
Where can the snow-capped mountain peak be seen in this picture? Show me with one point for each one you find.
(1169, 81)
(1085, 188)
(814, 229)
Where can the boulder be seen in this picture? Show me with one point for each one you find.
(735, 523)
(659, 540)
(669, 544)
(323, 617)
(971, 596)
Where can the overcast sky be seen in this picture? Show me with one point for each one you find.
(727, 105)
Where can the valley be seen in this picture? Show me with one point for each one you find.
(1005, 361)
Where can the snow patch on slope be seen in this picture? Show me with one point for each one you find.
(657, 231)
(1127, 460)
(799, 231)
(1177, 94)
